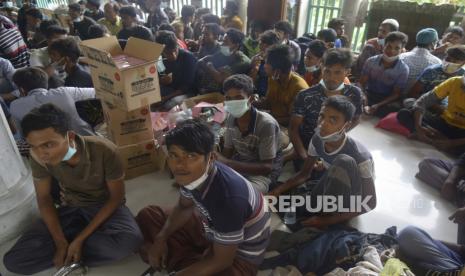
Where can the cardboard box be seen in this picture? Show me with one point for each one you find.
(142, 158)
(213, 98)
(126, 128)
(127, 88)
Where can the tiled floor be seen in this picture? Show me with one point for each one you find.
(402, 199)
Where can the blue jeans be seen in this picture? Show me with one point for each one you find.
(421, 251)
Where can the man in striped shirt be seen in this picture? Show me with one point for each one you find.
(13, 48)
(219, 225)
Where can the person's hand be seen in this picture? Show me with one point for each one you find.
(219, 157)
(448, 191)
(315, 222)
(370, 110)
(210, 65)
(443, 144)
(60, 254)
(157, 254)
(166, 79)
(458, 216)
(424, 134)
(319, 166)
(74, 252)
(276, 191)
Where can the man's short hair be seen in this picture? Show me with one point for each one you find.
(214, 28)
(66, 47)
(391, 23)
(233, 6)
(342, 104)
(335, 23)
(168, 39)
(340, 56)
(455, 30)
(43, 117)
(129, 11)
(192, 136)
(30, 78)
(236, 36)
(47, 23)
(269, 38)
(211, 18)
(327, 35)
(97, 31)
(201, 11)
(187, 11)
(456, 52)
(239, 82)
(55, 30)
(115, 5)
(35, 13)
(141, 32)
(258, 25)
(75, 7)
(166, 27)
(317, 48)
(396, 36)
(284, 26)
(280, 57)
(95, 3)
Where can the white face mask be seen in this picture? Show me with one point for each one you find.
(196, 183)
(381, 41)
(237, 108)
(450, 67)
(333, 137)
(79, 19)
(225, 51)
(390, 59)
(313, 68)
(340, 87)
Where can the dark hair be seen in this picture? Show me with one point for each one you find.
(47, 23)
(336, 22)
(45, 116)
(456, 52)
(232, 5)
(280, 57)
(115, 5)
(36, 13)
(53, 30)
(342, 104)
(66, 47)
(201, 11)
(168, 39)
(211, 18)
(455, 30)
(187, 11)
(192, 136)
(30, 78)
(258, 25)
(240, 82)
(75, 7)
(317, 48)
(236, 36)
(214, 28)
(166, 27)
(284, 26)
(97, 31)
(269, 38)
(327, 35)
(95, 3)
(141, 32)
(340, 56)
(396, 36)
(129, 11)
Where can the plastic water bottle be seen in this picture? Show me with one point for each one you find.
(290, 216)
(338, 43)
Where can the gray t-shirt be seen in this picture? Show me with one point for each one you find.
(351, 148)
(261, 142)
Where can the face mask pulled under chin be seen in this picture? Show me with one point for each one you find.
(450, 67)
(196, 183)
(340, 87)
(225, 51)
(333, 137)
(311, 69)
(381, 41)
(71, 150)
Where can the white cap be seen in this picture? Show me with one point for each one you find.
(391, 21)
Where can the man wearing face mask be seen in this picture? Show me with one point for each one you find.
(251, 44)
(452, 36)
(32, 83)
(78, 23)
(229, 61)
(91, 225)
(348, 165)
(157, 16)
(336, 66)
(251, 140)
(34, 18)
(65, 52)
(374, 46)
(285, 31)
(452, 66)
(384, 77)
(219, 225)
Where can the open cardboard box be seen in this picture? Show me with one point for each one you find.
(126, 128)
(213, 98)
(127, 88)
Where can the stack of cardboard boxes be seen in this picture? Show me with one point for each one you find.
(127, 83)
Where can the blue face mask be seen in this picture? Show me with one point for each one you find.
(71, 151)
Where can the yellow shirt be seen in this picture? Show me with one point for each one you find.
(112, 28)
(234, 22)
(453, 88)
(280, 97)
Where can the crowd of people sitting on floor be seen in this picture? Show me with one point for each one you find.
(288, 100)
